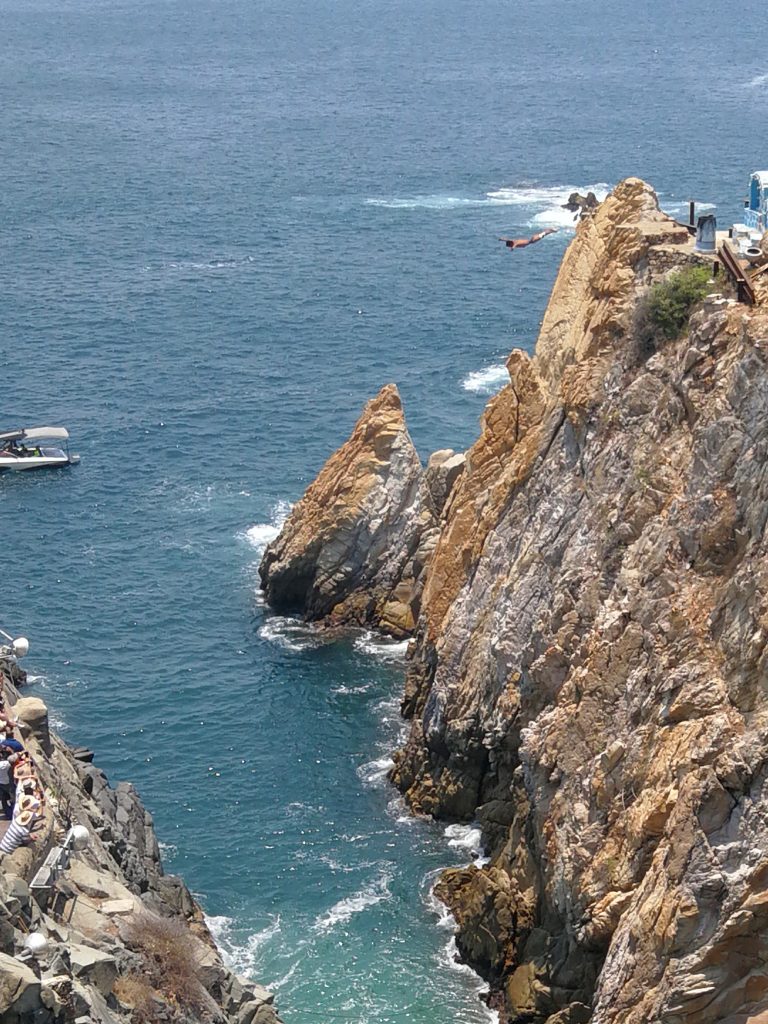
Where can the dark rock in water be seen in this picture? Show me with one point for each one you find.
(577, 203)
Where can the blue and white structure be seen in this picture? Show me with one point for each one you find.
(756, 210)
(746, 235)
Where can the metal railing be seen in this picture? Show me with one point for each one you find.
(744, 290)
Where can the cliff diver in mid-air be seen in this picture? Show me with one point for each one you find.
(520, 243)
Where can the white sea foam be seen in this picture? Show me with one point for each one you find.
(290, 634)
(756, 82)
(678, 208)
(398, 810)
(467, 838)
(547, 201)
(275, 986)
(381, 646)
(217, 263)
(260, 534)
(487, 381)
(240, 957)
(550, 197)
(445, 918)
(374, 773)
(344, 691)
(427, 202)
(450, 958)
(374, 892)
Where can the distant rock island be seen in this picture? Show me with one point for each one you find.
(581, 205)
(586, 589)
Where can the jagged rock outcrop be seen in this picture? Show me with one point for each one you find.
(581, 205)
(588, 672)
(354, 549)
(126, 942)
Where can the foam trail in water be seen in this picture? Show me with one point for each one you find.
(428, 202)
(487, 381)
(381, 646)
(527, 195)
(240, 957)
(756, 82)
(341, 912)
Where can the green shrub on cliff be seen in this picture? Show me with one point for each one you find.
(670, 302)
(662, 315)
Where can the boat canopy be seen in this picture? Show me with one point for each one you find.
(36, 434)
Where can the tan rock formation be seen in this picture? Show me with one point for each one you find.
(588, 672)
(354, 549)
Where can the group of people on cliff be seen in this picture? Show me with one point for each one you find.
(21, 794)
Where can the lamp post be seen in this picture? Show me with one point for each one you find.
(35, 944)
(16, 647)
(77, 839)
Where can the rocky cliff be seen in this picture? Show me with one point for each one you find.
(587, 676)
(355, 548)
(125, 941)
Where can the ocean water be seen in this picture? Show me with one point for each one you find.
(225, 226)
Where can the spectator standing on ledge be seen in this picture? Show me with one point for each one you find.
(7, 788)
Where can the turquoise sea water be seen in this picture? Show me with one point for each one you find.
(224, 227)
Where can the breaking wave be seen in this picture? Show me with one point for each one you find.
(467, 838)
(375, 892)
(373, 773)
(487, 381)
(381, 646)
(260, 534)
(543, 201)
(290, 634)
(240, 957)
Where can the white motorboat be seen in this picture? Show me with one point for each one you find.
(27, 449)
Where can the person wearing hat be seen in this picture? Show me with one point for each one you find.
(22, 765)
(19, 832)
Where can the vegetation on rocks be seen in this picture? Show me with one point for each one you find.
(169, 980)
(663, 313)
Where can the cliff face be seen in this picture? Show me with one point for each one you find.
(588, 672)
(126, 942)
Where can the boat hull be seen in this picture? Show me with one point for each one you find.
(36, 462)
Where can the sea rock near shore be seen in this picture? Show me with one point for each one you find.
(355, 548)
